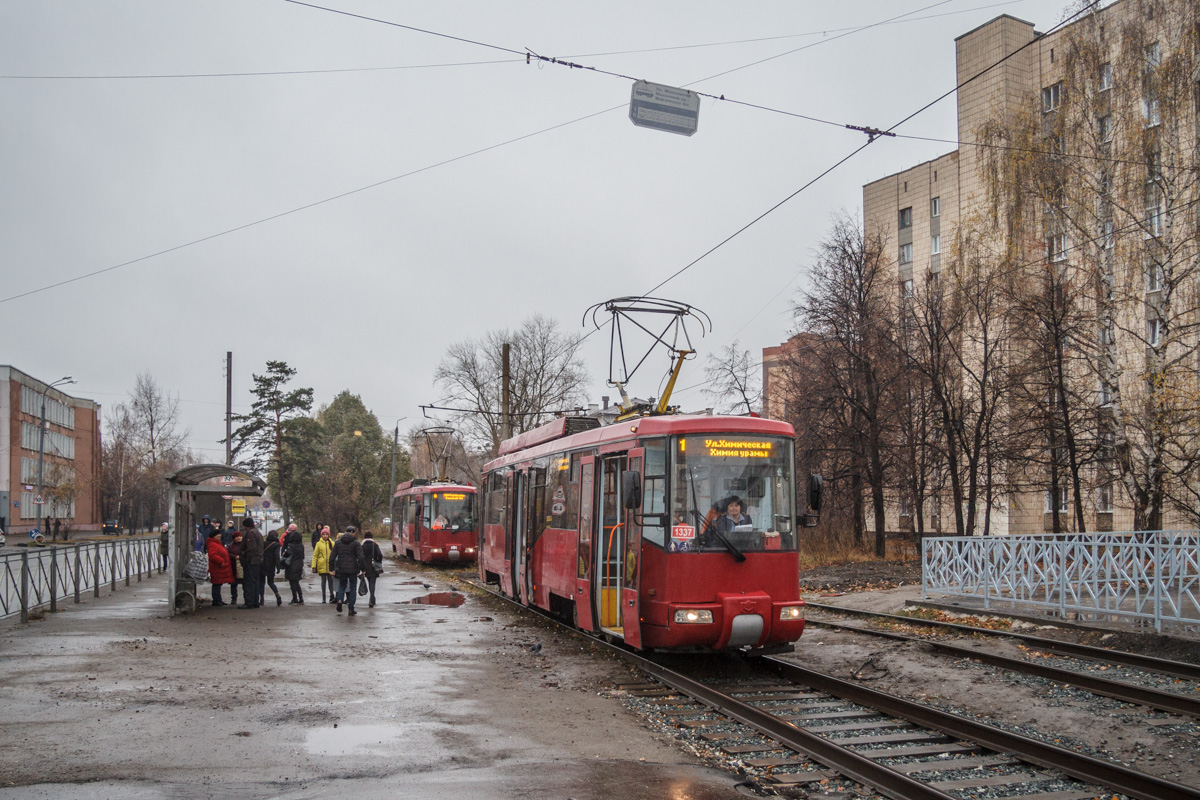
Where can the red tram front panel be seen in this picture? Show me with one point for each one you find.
(705, 558)
(435, 522)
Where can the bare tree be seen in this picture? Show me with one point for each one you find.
(850, 312)
(546, 375)
(734, 380)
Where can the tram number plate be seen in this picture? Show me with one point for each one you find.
(686, 532)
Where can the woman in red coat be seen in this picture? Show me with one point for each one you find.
(220, 571)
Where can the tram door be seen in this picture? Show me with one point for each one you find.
(585, 607)
(515, 541)
(610, 546)
(518, 555)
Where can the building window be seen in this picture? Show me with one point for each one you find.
(1156, 329)
(1104, 499)
(935, 245)
(906, 217)
(935, 206)
(1104, 128)
(1105, 394)
(1052, 97)
(1105, 77)
(1106, 336)
(1150, 112)
(1062, 501)
(1057, 246)
(1153, 56)
(906, 288)
(1154, 278)
(906, 254)
(1107, 232)
(1154, 212)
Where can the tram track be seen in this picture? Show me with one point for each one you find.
(1169, 702)
(897, 747)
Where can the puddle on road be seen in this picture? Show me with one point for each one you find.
(347, 738)
(450, 599)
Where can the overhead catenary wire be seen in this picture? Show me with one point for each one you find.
(377, 184)
(400, 67)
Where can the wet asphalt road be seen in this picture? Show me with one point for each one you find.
(115, 699)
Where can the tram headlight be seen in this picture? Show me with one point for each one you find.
(436, 550)
(470, 549)
(697, 616)
(787, 613)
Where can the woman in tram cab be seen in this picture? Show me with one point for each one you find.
(733, 516)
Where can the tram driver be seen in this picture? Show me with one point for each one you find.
(732, 517)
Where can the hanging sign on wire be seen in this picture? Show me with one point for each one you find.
(664, 108)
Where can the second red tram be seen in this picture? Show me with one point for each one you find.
(435, 521)
(667, 532)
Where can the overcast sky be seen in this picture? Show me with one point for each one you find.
(500, 188)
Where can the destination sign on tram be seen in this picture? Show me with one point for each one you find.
(737, 448)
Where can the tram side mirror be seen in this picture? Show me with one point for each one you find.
(631, 489)
(816, 487)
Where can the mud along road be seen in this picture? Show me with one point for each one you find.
(114, 699)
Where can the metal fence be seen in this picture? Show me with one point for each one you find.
(38, 577)
(1150, 576)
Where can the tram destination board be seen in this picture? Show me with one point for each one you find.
(664, 108)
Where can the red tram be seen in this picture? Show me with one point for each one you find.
(668, 532)
(435, 521)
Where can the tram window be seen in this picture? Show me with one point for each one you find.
(654, 493)
(710, 472)
(496, 507)
(561, 495)
(410, 511)
(537, 501)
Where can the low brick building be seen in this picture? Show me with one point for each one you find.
(71, 455)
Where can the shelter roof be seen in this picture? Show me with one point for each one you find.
(191, 478)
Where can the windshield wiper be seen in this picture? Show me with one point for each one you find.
(737, 554)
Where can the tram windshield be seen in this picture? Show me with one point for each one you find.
(732, 492)
(453, 511)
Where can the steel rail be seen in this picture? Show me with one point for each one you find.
(849, 763)
(1077, 765)
(1177, 669)
(1128, 693)
(866, 770)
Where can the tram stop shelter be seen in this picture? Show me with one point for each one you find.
(195, 491)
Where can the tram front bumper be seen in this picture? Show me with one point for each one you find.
(749, 619)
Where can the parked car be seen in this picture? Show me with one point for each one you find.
(111, 527)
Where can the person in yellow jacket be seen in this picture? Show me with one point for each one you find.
(322, 565)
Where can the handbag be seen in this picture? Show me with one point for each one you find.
(362, 586)
(285, 557)
(378, 567)
(197, 566)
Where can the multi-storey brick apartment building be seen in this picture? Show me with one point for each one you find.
(71, 460)
(1077, 167)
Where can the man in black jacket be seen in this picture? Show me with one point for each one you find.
(252, 559)
(348, 564)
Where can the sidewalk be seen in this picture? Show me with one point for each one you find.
(115, 699)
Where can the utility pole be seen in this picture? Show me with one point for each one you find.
(42, 448)
(392, 482)
(229, 408)
(505, 381)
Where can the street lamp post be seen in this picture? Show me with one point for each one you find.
(42, 447)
